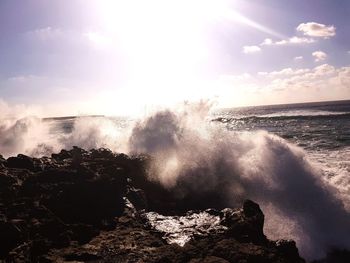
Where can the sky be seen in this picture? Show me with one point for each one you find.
(123, 57)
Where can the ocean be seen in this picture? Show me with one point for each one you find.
(322, 129)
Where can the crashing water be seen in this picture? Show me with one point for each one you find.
(180, 229)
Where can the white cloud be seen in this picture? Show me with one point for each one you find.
(46, 33)
(319, 55)
(324, 82)
(301, 40)
(251, 49)
(267, 42)
(283, 73)
(314, 29)
(289, 41)
(298, 58)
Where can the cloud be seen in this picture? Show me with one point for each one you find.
(310, 29)
(251, 49)
(45, 33)
(319, 55)
(289, 41)
(317, 30)
(324, 82)
(298, 58)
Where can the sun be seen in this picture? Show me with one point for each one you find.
(165, 44)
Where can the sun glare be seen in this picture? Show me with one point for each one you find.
(165, 44)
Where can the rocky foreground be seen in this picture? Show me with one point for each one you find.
(97, 206)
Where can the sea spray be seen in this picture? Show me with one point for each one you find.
(28, 135)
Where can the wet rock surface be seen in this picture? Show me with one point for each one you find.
(98, 206)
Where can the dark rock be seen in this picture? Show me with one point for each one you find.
(210, 259)
(83, 233)
(21, 161)
(7, 181)
(88, 202)
(138, 198)
(102, 153)
(2, 159)
(82, 257)
(64, 154)
(91, 206)
(10, 237)
(287, 248)
(245, 225)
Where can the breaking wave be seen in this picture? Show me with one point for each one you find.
(197, 157)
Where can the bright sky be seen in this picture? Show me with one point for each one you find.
(120, 57)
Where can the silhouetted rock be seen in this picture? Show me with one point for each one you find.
(21, 161)
(246, 224)
(100, 206)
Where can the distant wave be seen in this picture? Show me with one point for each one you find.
(288, 115)
(304, 113)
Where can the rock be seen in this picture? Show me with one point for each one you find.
(95, 206)
(7, 181)
(247, 224)
(10, 237)
(62, 155)
(21, 161)
(210, 259)
(81, 257)
(138, 198)
(88, 202)
(102, 153)
(287, 248)
(83, 233)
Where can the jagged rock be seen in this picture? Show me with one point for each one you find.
(96, 206)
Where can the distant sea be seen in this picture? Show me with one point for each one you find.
(320, 128)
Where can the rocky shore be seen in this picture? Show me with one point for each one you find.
(98, 206)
